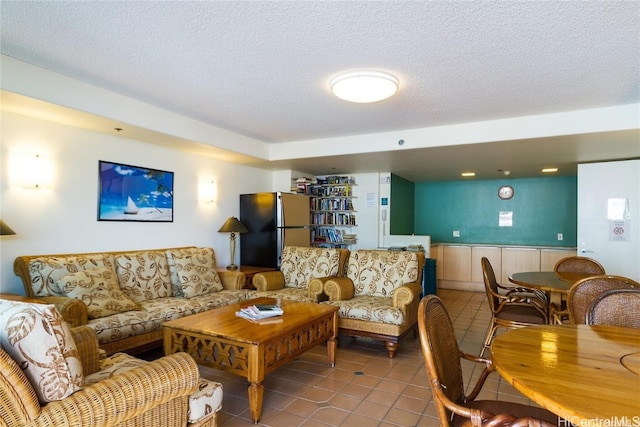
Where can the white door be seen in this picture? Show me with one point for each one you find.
(609, 215)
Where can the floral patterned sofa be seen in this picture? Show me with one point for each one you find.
(303, 271)
(126, 296)
(53, 375)
(379, 296)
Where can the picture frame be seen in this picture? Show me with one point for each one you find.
(134, 193)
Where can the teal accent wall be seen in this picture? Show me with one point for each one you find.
(402, 206)
(542, 208)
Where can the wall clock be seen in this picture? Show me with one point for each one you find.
(505, 192)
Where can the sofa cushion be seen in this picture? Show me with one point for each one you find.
(38, 339)
(195, 270)
(46, 271)
(289, 294)
(369, 308)
(301, 264)
(99, 290)
(144, 275)
(378, 273)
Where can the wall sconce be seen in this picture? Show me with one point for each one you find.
(233, 226)
(31, 171)
(207, 191)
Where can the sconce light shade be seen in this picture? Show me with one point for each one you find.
(364, 86)
(5, 230)
(31, 171)
(233, 226)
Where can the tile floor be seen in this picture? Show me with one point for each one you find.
(365, 388)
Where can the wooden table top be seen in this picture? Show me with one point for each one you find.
(589, 375)
(223, 322)
(548, 281)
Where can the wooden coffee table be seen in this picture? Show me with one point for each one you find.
(219, 339)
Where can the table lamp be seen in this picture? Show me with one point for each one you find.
(233, 226)
(5, 230)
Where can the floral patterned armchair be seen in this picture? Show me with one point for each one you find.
(53, 375)
(379, 296)
(303, 271)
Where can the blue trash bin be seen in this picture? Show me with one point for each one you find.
(429, 278)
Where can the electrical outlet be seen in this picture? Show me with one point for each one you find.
(560, 236)
(456, 233)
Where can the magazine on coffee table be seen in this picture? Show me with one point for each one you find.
(260, 311)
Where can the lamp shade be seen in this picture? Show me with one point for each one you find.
(5, 230)
(233, 225)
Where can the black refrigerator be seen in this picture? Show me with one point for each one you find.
(273, 220)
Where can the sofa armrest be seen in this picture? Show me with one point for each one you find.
(406, 294)
(268, 281)
(73, 311)
(89, 351)
(126, 395)
(315, 288)
(339, 288)
(232, 280)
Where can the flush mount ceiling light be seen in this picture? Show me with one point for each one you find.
(364, 86)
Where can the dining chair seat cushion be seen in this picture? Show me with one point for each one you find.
(500, 407)
(521, 314)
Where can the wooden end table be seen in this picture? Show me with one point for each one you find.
(220, 339)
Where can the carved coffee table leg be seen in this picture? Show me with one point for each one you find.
(331, 342)
(256, 392)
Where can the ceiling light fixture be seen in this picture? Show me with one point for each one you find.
(364, 86)
(468, 174)
(549, 170)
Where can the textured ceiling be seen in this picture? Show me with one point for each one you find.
(261, 68)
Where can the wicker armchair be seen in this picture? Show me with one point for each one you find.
(303, 271)
(583, 293)
(511, 307)
(618, 307)
(153, 393)
(378, 298)
(442, 358)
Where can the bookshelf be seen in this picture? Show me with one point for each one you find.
(332, 214)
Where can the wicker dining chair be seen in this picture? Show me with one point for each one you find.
(583, 293)
(579, 264)
(442, 358)
(572, 264)
(511, 307)
(618, 307)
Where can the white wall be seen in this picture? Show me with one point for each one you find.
(63, 219)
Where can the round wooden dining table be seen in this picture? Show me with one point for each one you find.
(548, 281)
(587, 375)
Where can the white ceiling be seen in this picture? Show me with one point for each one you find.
(261, 69)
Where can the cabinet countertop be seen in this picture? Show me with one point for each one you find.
(491, 245)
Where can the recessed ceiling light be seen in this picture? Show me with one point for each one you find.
(468, 174)
(364, 86)
(549, 170)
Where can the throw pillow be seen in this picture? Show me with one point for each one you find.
(144, 275)
(196, 271)
(38, 339)
(99, 290)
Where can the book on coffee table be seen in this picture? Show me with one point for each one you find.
(260, 311)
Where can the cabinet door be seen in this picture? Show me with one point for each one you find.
(549, 257)
(493, 254)
(516, 260)
(457, 263)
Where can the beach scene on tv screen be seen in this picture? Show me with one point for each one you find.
(132, 193)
